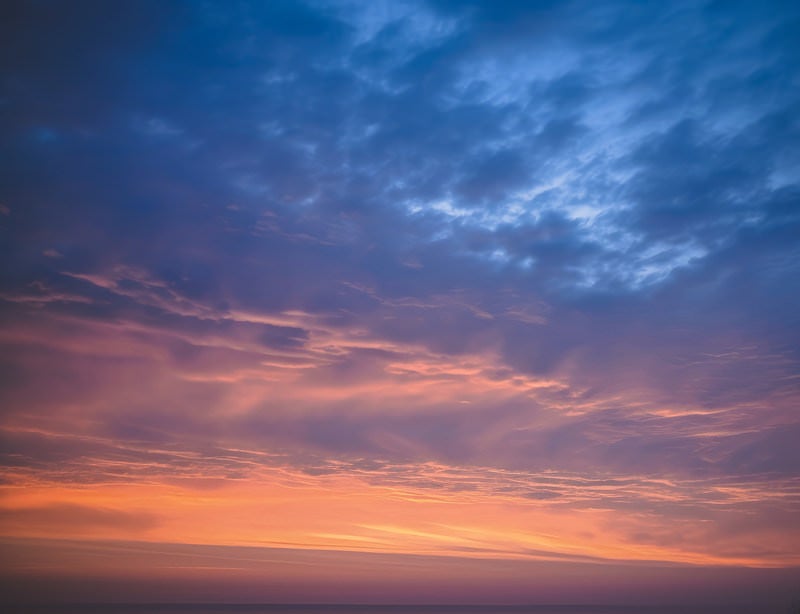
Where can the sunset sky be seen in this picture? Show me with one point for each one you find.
(400, 301)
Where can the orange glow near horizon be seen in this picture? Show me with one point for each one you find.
(280, 507)
(229, 490)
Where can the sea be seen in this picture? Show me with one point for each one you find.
(184, 608)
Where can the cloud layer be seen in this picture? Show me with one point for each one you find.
(527, 264)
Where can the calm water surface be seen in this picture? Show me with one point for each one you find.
(359, 609)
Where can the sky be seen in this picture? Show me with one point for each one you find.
(400, 301)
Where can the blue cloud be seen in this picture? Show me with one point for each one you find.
(603, 194)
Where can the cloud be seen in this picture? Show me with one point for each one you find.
(75, 519)
(510, 240)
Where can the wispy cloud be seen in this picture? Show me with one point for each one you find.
(481, 280)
